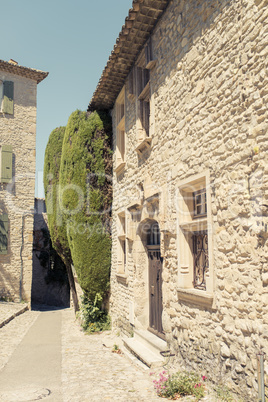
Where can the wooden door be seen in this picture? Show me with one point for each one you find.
(155, 290)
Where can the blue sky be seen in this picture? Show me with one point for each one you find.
(72, 40)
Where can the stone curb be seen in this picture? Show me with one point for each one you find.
(19, 312)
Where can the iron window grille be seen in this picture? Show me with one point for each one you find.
(201, 260)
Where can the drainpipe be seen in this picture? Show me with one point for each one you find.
(21, 249)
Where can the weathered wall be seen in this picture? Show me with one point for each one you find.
(17, 199)
(209, 93)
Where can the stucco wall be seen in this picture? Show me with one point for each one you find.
(17, 198)
(209, 92)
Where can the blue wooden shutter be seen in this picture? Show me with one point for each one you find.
(3, 233)
(6, 163)
(8, 96)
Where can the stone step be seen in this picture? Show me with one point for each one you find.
(151, 341)
(143, 353)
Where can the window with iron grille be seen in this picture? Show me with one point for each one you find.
(201, 260)
(194, 238)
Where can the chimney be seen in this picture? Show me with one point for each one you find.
(13, 62)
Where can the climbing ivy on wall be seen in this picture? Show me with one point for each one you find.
(84, 198)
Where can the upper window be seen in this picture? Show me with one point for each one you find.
(144, 64)
(6, 97)
(143, 90)
(153, 235)
(200, 203)
(120, 131)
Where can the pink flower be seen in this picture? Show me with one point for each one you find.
(195, 385)
(204, 378)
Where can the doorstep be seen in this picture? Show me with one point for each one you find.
(147, 347)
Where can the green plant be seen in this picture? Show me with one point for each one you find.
(180, 384)
(223, 393)
(116, 349)
(6, 299)
(93, 317)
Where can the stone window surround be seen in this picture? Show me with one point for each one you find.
(186, 223)
(121, 228)
(144, 138)
(120, 154)
(1, 94)
(6, 105)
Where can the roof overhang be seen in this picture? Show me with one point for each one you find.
(13, 68)
(139, 24)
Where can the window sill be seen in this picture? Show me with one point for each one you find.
(194, 225)
(121, 124)
(195, 296)
(145, 144)
(122, 278)
(150, 64)
(120, 167)
(145, 93)
(131, 97)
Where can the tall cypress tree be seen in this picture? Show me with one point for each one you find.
(86, 183)
(56, 223)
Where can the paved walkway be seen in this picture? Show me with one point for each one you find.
(44, 355)
(8, 311)
(33, 371)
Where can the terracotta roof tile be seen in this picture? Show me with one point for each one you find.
(139, 23)
(13, 68)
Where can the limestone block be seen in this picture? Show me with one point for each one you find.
(184, 42)
(225, 351)
(225, 241)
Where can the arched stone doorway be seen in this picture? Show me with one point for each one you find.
(155, 278)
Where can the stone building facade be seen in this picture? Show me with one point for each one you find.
(18, 87)
(188, 96)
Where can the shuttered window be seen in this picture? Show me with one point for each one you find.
(3, 233)
(8, 97)
(6, 163)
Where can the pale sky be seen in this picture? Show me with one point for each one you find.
(72, 40)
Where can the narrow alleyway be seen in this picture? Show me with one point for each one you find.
(45, 356)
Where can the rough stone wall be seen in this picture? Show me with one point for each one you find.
(209, 93)
(17, 198)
